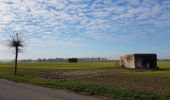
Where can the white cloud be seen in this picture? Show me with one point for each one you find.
(134, 2)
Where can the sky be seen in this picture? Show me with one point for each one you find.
(86, 28)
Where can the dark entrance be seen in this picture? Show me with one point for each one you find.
(147, 61)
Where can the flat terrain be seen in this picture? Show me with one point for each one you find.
(95, 78)
(16, 91)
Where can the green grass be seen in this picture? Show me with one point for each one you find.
(62, 65)
(150, 85)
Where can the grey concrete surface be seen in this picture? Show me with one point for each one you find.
(17, 91)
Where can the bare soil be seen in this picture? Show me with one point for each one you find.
(76, 74)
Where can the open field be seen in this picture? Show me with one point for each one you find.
(98, 78)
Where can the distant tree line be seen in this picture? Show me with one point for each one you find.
(163, 59)
(64, 59)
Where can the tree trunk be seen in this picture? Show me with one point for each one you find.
(16, 60)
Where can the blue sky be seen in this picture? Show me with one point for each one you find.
(86, 28)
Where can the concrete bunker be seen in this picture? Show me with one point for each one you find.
(145, 61)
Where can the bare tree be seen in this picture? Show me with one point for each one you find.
(16, 42)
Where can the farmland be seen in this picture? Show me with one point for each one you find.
(95, 78)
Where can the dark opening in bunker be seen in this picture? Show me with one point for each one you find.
(146, 61)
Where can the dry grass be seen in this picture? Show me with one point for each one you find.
(141, 83)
